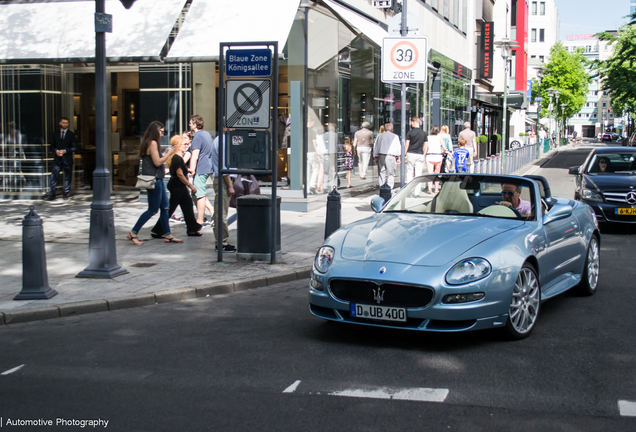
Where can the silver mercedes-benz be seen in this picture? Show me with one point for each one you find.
(455, 252)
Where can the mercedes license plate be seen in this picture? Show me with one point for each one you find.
(626, 211)
(384, 313)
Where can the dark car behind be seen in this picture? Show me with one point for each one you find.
(612, 194)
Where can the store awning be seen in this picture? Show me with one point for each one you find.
(211, 22)
(65, 31)
(369, 28)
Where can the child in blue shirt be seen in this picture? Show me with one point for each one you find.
(461, 156)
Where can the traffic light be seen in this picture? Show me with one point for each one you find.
(127, 3)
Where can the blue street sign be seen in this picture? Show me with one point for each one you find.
(248, 62)
(538, 98)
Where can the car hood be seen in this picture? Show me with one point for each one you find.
(423, 240)
(605, 182)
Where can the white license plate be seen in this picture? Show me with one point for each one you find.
(377, 312)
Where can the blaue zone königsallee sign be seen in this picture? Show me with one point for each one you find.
(248, 62)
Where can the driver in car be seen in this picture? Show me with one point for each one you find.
(511, 195)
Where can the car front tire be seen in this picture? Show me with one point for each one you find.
(524, 304)
(589, 279)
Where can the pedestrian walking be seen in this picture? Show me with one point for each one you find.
(460, 156)
(414, 151)
(347, 162)
(200, 165)
(179, 187)
(63, 145)
(152, 163)
(444, 135)
(434, 151)
(314, 160)
(386, 152)
(363, 145)
(471, 145)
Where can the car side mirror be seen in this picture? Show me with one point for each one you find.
(573, 170)
(377, 203)
(558, 212)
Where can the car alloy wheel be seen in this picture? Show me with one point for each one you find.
(591, 271)
(525, 303)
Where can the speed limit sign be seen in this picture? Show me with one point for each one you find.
(404, 59)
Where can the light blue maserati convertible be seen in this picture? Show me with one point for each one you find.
(455, 252)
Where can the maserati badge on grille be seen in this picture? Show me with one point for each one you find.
(382, 270)
(378, 295)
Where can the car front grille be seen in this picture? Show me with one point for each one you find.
(616, 197)
(385, 294)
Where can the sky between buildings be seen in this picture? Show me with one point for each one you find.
(591, 16)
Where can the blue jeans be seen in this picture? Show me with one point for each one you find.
(157, 201)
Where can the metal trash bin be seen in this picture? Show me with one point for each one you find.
(253, 226)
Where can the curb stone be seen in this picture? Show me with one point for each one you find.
(128, 302)
(84, 307)
(216, 288)
(35, 314)
(250, 283)
(175, 295)
(148, 299)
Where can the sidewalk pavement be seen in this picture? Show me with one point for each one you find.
(158, 272)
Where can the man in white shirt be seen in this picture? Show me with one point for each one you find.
(387, 152)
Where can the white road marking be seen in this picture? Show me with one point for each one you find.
(411, 394)
(10, 371)
(627, 408)
(292, 388)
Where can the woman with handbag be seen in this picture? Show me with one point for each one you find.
(178, 187)
(151, 163)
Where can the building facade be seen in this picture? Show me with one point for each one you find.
(163, 59)
(596, 116)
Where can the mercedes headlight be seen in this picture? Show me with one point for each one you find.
(324, 258)
(468, 270)
(591, 195)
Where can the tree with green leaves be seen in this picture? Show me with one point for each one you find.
(566, 72)
(618, 73)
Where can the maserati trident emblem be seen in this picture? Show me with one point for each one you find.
(378, 295)
(631, 198)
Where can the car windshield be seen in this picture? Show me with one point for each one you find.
(612, 163)
(468, 195)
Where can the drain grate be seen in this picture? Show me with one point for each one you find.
(144, 264)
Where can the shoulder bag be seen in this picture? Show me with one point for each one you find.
(145, 181)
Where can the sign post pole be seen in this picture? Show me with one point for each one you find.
(403, 32)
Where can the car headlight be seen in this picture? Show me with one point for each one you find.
(324, 258)
(468, 270)
(591, 195)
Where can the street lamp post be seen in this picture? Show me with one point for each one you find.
(102, 254)
(539, 99)
(563, 105)
(550, 95)
(556, 116)
(506, 45)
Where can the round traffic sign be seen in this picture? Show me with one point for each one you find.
(248, 99)
(404, 55)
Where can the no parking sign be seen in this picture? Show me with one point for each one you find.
(404, 60)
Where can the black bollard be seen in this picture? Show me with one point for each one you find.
(333, 212)
(35, 279)
(385, 192)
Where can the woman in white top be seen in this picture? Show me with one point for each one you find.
(434, 151)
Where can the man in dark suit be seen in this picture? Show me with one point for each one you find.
(63, 144)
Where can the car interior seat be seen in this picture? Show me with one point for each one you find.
(452, 198)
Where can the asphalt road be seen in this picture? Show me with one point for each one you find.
(258, 361)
